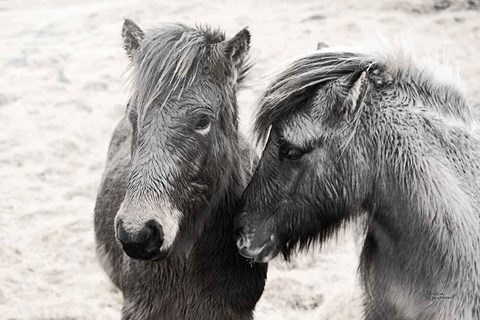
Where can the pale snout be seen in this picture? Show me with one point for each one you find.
(146, 232)
(256, 244)
(143, 244)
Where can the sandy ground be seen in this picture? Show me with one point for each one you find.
(62, 91)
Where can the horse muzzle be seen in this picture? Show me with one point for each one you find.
(142, 244)
(259, 250)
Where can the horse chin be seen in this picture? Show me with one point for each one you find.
(156, 255)
(160, 255)
(262, 254)
(267, 254)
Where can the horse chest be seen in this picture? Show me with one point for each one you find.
(194, 291)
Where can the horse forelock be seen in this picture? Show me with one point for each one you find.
(170, 60)
(297, 83)
(437, 85)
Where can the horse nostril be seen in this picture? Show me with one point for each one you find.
(122, 235)
(241, 241)
(143, 244)
(155, 236)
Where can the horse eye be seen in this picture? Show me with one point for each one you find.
(203, 125)
(292, 153)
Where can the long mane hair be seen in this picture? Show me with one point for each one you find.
(298, 82)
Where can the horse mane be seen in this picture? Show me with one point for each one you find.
(436, 84)
(169, 59)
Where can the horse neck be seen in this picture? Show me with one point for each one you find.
(419, 199)
(214, 220)
(444, 100)
(231, 184)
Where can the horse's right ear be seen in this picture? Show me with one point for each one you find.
(237, 48)
(132, 36)
(355, 88)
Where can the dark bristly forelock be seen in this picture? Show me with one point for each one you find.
(170, 59)
(297, 83)
(435, 84)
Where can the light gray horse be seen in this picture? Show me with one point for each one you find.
(175, 171)
(350, 133)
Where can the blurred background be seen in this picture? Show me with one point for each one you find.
(63, 89)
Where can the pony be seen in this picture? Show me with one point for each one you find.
(379, 135)
(176, 168)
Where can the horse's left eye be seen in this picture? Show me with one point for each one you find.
(292, 153)
(203, 125)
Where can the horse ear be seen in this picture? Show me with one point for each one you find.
(237, 48)
(357, 88)
(321, 45)
(132, 36)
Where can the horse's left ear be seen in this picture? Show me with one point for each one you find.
(357, 88)
(237, 48)
(132, 36)
(321, 45)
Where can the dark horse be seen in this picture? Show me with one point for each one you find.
(387, 137)
(175, 171)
